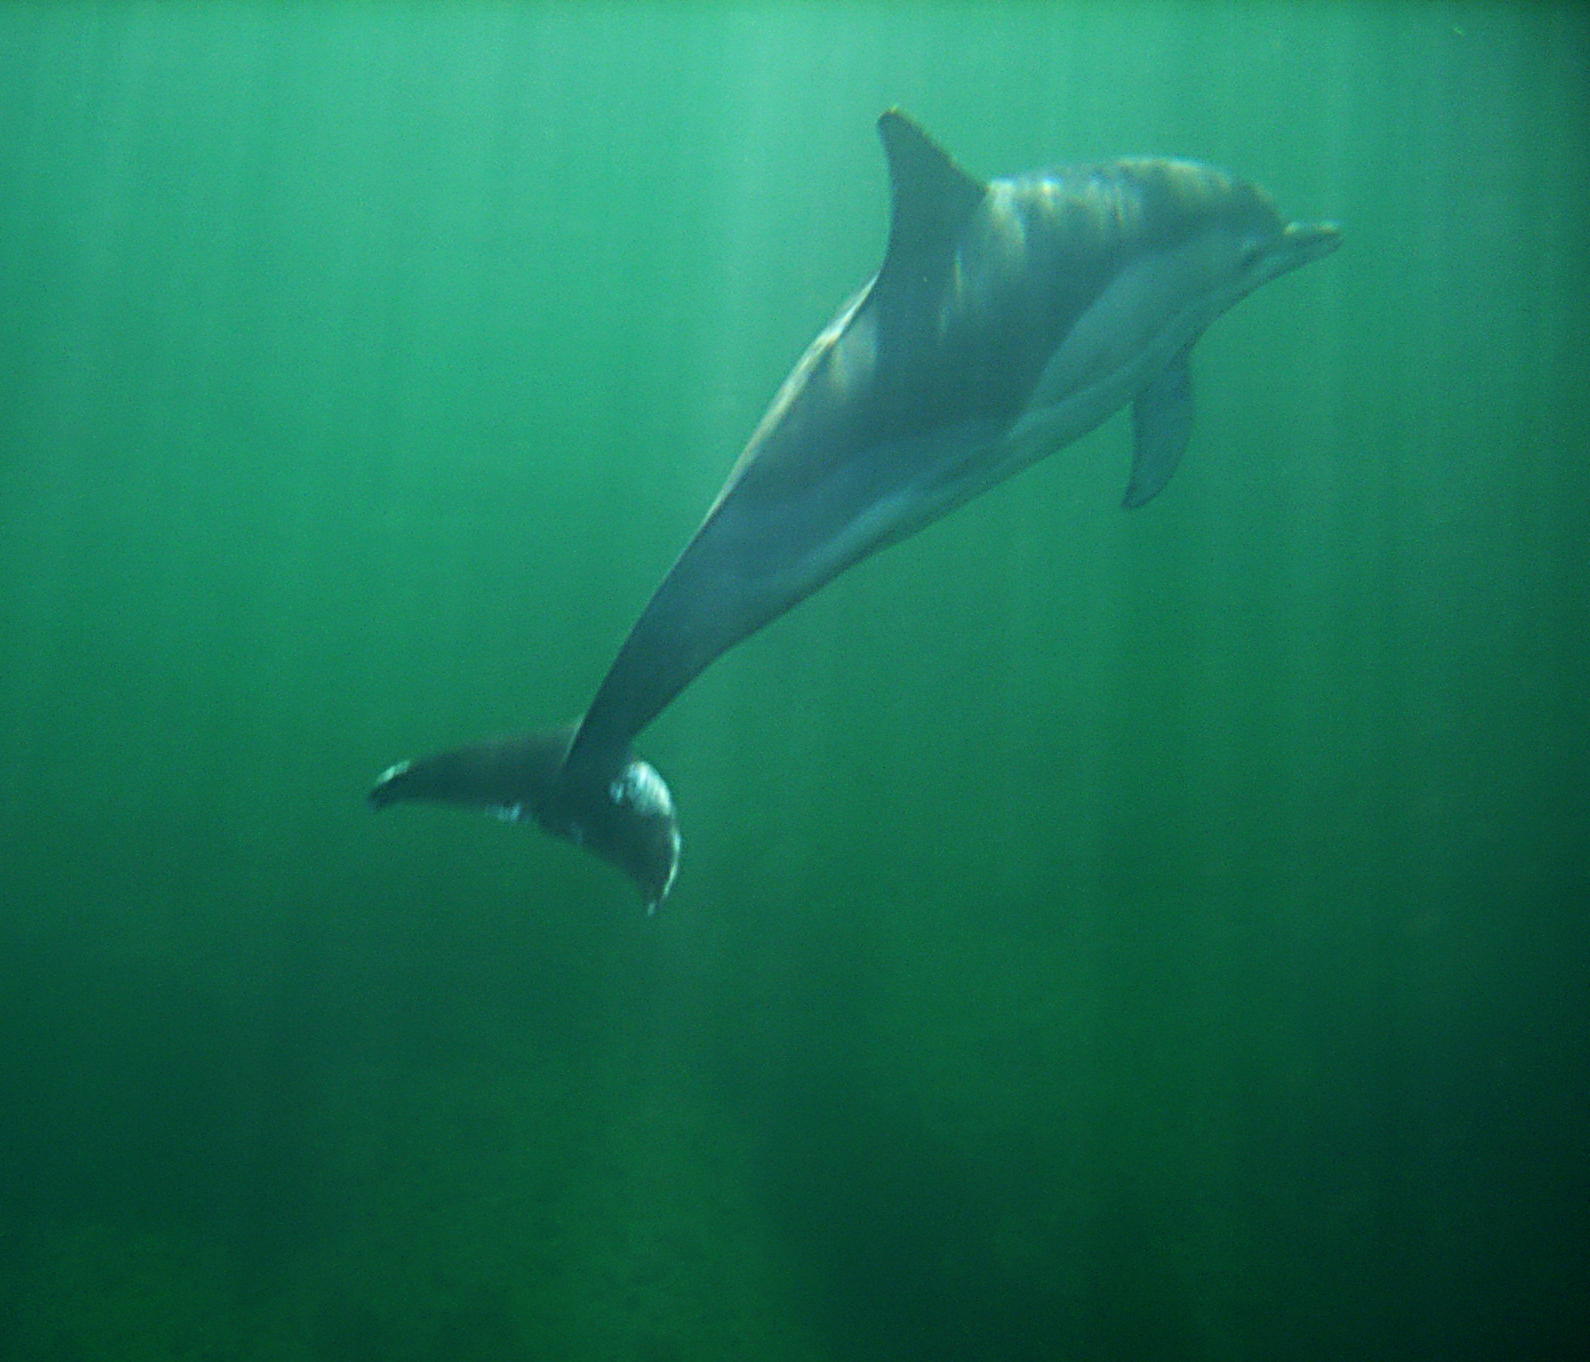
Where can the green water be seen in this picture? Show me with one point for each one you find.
(1100, 936)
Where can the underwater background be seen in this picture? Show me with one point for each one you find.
(1099, 935)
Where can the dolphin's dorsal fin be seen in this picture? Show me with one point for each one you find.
(933, 197)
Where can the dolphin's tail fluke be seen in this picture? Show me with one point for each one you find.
(622, 812)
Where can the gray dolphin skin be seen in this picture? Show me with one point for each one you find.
(1008, 319)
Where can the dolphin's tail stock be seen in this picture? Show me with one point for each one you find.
(622, 811)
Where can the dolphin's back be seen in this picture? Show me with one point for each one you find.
(929, 366)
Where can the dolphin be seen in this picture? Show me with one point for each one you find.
(1009, 318)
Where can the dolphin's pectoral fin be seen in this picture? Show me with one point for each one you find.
(1161, 422)
(624, 814)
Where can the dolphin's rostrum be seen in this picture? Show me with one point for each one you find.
(1008, 319)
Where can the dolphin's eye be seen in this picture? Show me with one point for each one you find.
(1252, 253)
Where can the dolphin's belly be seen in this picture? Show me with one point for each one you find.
(1127, 335)
(779, 539)
(930, 476)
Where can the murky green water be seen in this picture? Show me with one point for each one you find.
(1101, 936)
